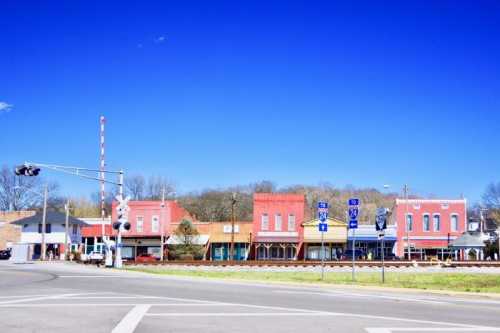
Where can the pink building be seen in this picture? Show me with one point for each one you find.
(277, 225)
(430, 225)
(147, 220)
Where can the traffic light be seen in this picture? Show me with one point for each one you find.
(27, 170)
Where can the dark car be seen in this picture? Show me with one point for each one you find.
(5, 254)
(358, 254)
(388, 257)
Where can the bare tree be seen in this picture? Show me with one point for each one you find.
(155, 186)
(491, 200)
(491, 196)
(265, 186)
(135, 186)
(18, 192)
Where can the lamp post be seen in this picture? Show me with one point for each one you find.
(162, 213)
(66, 226)
(406, 219)
(233, 202)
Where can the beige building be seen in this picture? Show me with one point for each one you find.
(334, 239)
(10, 233)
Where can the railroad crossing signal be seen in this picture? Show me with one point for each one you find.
(122, 213)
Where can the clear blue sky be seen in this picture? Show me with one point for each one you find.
(215, 93)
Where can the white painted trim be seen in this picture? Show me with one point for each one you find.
(278, 234)
(423, 201)
(429, 237)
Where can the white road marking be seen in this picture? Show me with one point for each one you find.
(238, 314)
(114, 297)
(43, 298)
(93, 276)
(430, 329)
(344, 294)
(21, 296)
(43, 305)
(197, 302)
(131, 319)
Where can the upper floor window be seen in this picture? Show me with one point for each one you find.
(155, 223)
(139, 226)
(437, 222)
(277, 222)
(291, 222)
(48, 228)
(264, 222)
(409, 222)
(426, 222)
(454, 222)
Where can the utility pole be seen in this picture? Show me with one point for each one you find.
(66, 227)
(44, 220)
(118, 256)
(407, 221)
(162, 213)
(233, 202)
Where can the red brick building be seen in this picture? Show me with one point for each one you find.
(147, 220)
(277, 226)
(430, 225)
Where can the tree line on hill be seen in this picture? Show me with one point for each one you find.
(211, 205)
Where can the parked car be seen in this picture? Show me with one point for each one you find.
(95, 258)
(145, 258)
(358, 254)
(5, 254)
(388, 257)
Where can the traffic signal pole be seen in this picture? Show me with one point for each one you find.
(33, 169)
(118, 255)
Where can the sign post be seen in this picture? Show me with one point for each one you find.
(353, 204)
(380, 226)
(323, 227)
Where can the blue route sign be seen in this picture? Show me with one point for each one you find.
(323, 227)
(323, 205)
(323, 216)
(322, 211)
(353, 202)
(353, 213)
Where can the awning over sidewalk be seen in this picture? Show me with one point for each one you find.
(195, 240)
(276, 240)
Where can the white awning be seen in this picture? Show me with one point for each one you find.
(196, 240)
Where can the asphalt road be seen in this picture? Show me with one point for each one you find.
(58, 297)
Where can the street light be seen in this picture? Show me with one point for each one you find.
(44, 215)
(233, 202)
(407, 224)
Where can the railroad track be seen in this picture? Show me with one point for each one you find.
(262, 263)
